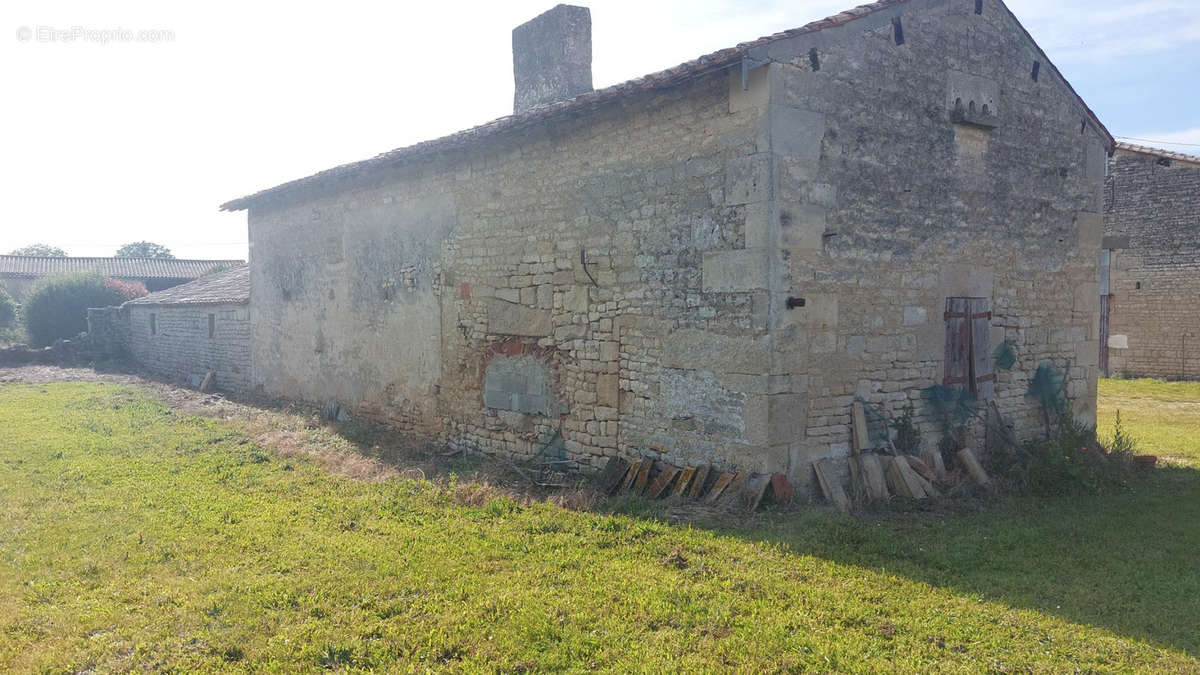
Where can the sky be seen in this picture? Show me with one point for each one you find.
(125, 121)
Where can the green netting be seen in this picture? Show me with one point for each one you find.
(951, 407)
(1005, 356)
(877, 424)
(1046, 388)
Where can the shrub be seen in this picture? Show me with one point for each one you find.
(129, 290)
(1074, 460)
(56, 307)
(8, 318)
(8, 310)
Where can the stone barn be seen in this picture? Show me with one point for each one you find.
(1150, 265)
(708, 264)
(186, 331)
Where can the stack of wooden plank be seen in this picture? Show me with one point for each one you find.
(879, 471)
(705, 484)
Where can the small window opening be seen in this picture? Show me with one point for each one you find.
(153, 324)
(1164, 161)
(898, 30)
(1037, 69)
(1138, 286)
(1082, 127)
(979, 6)
(212, 325)
(814, 59)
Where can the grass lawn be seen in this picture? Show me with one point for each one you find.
(133, 537)
(1163, 416)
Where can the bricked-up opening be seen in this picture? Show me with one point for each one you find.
(968, 354)
(153, 324)
(898, 30)
(521, 383)
(212, 325)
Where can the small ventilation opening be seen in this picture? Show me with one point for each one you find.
(1037, 69)
(1082, 127)
(898, 30)
(979, 6)
(814, 60)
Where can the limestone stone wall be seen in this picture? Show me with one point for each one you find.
(911, 173)
(707, 273)
(108, 332)
(181, 346)
(1152, 228)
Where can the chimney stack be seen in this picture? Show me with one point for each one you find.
(552, 57)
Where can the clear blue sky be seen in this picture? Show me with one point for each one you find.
(107, 142)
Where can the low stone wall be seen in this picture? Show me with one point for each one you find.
(108, 332)
(185, 342)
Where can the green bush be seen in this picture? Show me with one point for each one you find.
(8, 318)
(1073, 459)
(56, 307)
(8, 310)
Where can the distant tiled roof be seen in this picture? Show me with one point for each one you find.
(1158, 152)
(718, 60)
(220, 288)
(129, 268)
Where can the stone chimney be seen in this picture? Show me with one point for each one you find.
(552, 57)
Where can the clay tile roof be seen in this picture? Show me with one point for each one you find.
(583, 103)
(220, 288)
(1158, 152)
(129, 268)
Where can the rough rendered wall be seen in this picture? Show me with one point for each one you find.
(398, 294)
(1152, 224)
(889, 203)
(181, 346)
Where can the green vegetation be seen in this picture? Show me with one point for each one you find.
(43, 250)
(56, 307)
(1163, 417)
(8, 316)
(144, 249)
(135, 537)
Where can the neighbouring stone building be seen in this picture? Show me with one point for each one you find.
(19, 272)
(186, 331)
(710, 263)
(1150, 265)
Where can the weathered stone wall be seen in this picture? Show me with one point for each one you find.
(181, 346)
(622, 279)
(1152, 228)
(108, 332)
(916, 172)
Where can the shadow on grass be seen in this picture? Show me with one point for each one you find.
(1128, 562)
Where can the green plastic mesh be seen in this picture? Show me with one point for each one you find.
(1005, 356)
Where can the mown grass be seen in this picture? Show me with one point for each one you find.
(1164, 417)
(133, 537)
